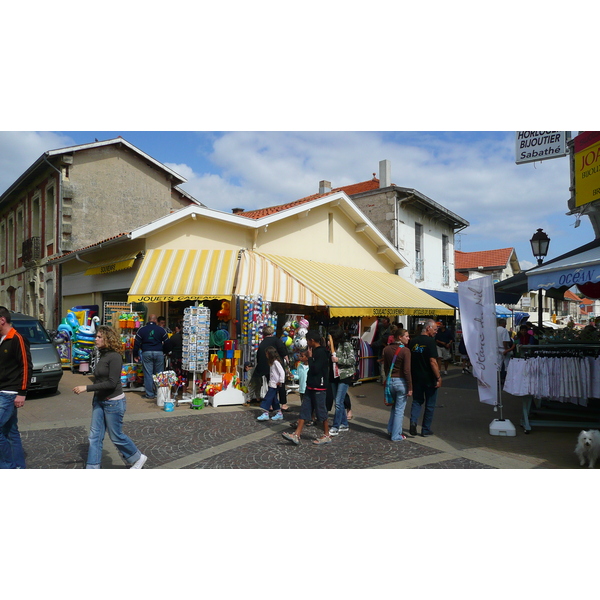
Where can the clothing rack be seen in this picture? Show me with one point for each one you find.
(546, 412)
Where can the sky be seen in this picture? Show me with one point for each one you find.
(472, 173)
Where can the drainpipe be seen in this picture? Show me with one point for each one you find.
(58, 235)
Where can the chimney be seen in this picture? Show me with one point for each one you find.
(385, 173)
(324, 187)
(235, 211)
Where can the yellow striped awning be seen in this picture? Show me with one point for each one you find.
(112, 265)
(258, 275)
(174, 275)
(352, 292)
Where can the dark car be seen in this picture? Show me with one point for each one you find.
(47, 368)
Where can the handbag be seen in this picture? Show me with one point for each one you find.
(387, 390)
(264, 388)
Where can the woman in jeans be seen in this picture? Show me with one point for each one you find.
(342, 355)
(400, 382)
(108, 405)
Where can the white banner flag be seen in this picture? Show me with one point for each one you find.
(478, 319)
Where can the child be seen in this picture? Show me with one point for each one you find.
(276, 379)
(302, 370)
(317, 381)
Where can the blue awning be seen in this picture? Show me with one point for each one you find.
(566, 272)
(503, 313)
(450, 298)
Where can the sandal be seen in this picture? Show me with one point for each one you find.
(324, 439)
(291, 437)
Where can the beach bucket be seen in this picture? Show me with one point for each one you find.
(169, 406)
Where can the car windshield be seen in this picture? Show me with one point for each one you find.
(32, 330)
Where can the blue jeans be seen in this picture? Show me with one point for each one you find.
(399, 390)
(11, 449)
(108, 414)
(423, 395)
(339, 392)
(270, 399)
(153, 363)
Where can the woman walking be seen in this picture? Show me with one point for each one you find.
(276, 380)
(342, 357)
(397, 358)
(108, 404)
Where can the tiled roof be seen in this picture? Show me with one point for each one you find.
(569, 295)
(114, 237)
(461, 276)
(484, 258)
(355, 188)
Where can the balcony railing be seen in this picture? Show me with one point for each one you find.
(31, 250)
(419, 274)
(445, 275)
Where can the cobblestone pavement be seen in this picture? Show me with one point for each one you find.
(54, 431)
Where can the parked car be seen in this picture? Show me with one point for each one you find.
(47, 368)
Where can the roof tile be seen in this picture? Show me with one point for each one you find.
(484, 258)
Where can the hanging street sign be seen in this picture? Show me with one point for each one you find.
(531, 146)
(587, 167)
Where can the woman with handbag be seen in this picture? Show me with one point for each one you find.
(398, 385)
(344, 365)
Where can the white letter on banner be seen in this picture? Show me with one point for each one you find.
(478, 319)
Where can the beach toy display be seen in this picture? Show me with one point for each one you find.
(256, 314)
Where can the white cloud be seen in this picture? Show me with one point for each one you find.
(19, 150)
(477, 179)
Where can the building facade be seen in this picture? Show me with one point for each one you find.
(71, 198)
(420, 228)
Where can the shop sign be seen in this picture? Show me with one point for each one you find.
(174, 298)
(587, 167)
(532, 146)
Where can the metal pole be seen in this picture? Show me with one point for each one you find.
(540, 299)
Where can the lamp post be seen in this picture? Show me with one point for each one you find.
(539, 246)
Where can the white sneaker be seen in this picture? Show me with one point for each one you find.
(344, 428)
(333, 431)
(140, 462)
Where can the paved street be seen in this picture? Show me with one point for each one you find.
(55, 428)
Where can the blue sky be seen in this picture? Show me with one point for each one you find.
(471, 173)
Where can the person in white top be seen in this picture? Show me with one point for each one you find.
(276, 380)
(505, 347)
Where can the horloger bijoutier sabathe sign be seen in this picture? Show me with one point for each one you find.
(532, 146)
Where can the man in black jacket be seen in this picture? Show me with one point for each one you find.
(15, 376)
(150, 340)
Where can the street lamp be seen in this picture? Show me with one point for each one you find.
(539, 246)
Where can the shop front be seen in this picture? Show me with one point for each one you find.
(286, 289)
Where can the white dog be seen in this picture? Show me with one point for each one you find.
(588, 447)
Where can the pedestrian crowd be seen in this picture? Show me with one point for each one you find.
(409, 368)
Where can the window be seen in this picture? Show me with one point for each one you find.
(10, 239)
(445, 262)
(36, 217)
(419, 251)
(50, 211)
(330, 230)
(20, 232)
(2, 243)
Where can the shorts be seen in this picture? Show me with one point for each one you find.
(314, 400)
(444, 353)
